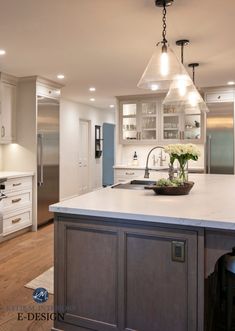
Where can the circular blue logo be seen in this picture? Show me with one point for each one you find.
(40, 295)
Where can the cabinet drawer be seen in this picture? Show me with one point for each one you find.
(47, 91)
(16, 201)
(16, 184)
(227, 96)
(123, 175)
(128, 173)
(16, 221)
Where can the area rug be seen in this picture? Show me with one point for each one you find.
(45, 280)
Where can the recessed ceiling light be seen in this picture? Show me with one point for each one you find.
(92, 89)
(154, 87)
(2, 52)
(92, 99)
(231, 83)
(111, 106)
(60, 76)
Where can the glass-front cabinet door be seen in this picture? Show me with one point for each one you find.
(180, 127)
(192, 127)
(171, 123)
(148, 120)
(139, 121)
(129, 121)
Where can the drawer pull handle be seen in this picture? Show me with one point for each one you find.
(16, 200)
(17, 184)
(16, 220)
(130, 173)
(3, 131)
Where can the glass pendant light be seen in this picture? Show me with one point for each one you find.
(183, 98)
(164, 66)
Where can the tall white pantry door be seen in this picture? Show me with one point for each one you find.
(84, 139)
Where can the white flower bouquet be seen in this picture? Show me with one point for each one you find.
(183, 153)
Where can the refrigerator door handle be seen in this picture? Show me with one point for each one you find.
(209, 154)
(40, 141)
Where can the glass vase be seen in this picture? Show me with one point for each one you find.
(171, 172)
(182, 172)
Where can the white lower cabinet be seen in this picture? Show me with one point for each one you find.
(17, 220)
(17, 207)
(123, 175)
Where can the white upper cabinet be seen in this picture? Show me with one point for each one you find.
(182, 127)
(7, 111)
(139, 121)
(48, 89)
(219, 96)
(145, 121)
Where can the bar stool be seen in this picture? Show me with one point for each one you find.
(230, 290)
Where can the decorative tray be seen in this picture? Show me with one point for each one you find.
(171, 190)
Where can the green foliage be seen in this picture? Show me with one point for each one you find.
(175, 182)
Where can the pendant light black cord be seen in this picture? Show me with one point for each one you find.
(182, 54)
(193, 75)
(164, 40)
(193, 66)
(164, 24)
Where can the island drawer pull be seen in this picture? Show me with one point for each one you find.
(16, 220)
(17, 184)
(16, 200)
(130, 173)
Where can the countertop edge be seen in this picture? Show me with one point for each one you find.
(222, 225)
(10, 175)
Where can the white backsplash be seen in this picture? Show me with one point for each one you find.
(125, 154)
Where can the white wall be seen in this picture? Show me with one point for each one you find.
(70, 113)
(126, 152)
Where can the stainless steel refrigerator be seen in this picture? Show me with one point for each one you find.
(220, 138)
(48, 157)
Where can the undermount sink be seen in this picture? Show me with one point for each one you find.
(142, 182)
(135, 184)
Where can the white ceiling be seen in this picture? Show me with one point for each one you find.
(107, 43)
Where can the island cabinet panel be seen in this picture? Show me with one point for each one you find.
(89, 277)
(157, 288)
(115, 275)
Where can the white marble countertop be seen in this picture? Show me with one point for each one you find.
(211, 203)
(15, 174)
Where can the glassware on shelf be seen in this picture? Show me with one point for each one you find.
(169, 110)
(129, 109)
(149, 123)
(149, 135)
(148, 108)
(170, 134)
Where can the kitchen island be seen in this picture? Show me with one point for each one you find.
(131, 260)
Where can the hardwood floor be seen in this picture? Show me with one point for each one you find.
(21, 260)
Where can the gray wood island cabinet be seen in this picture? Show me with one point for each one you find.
(139, 264)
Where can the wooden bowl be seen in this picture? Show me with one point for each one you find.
(171, 190)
